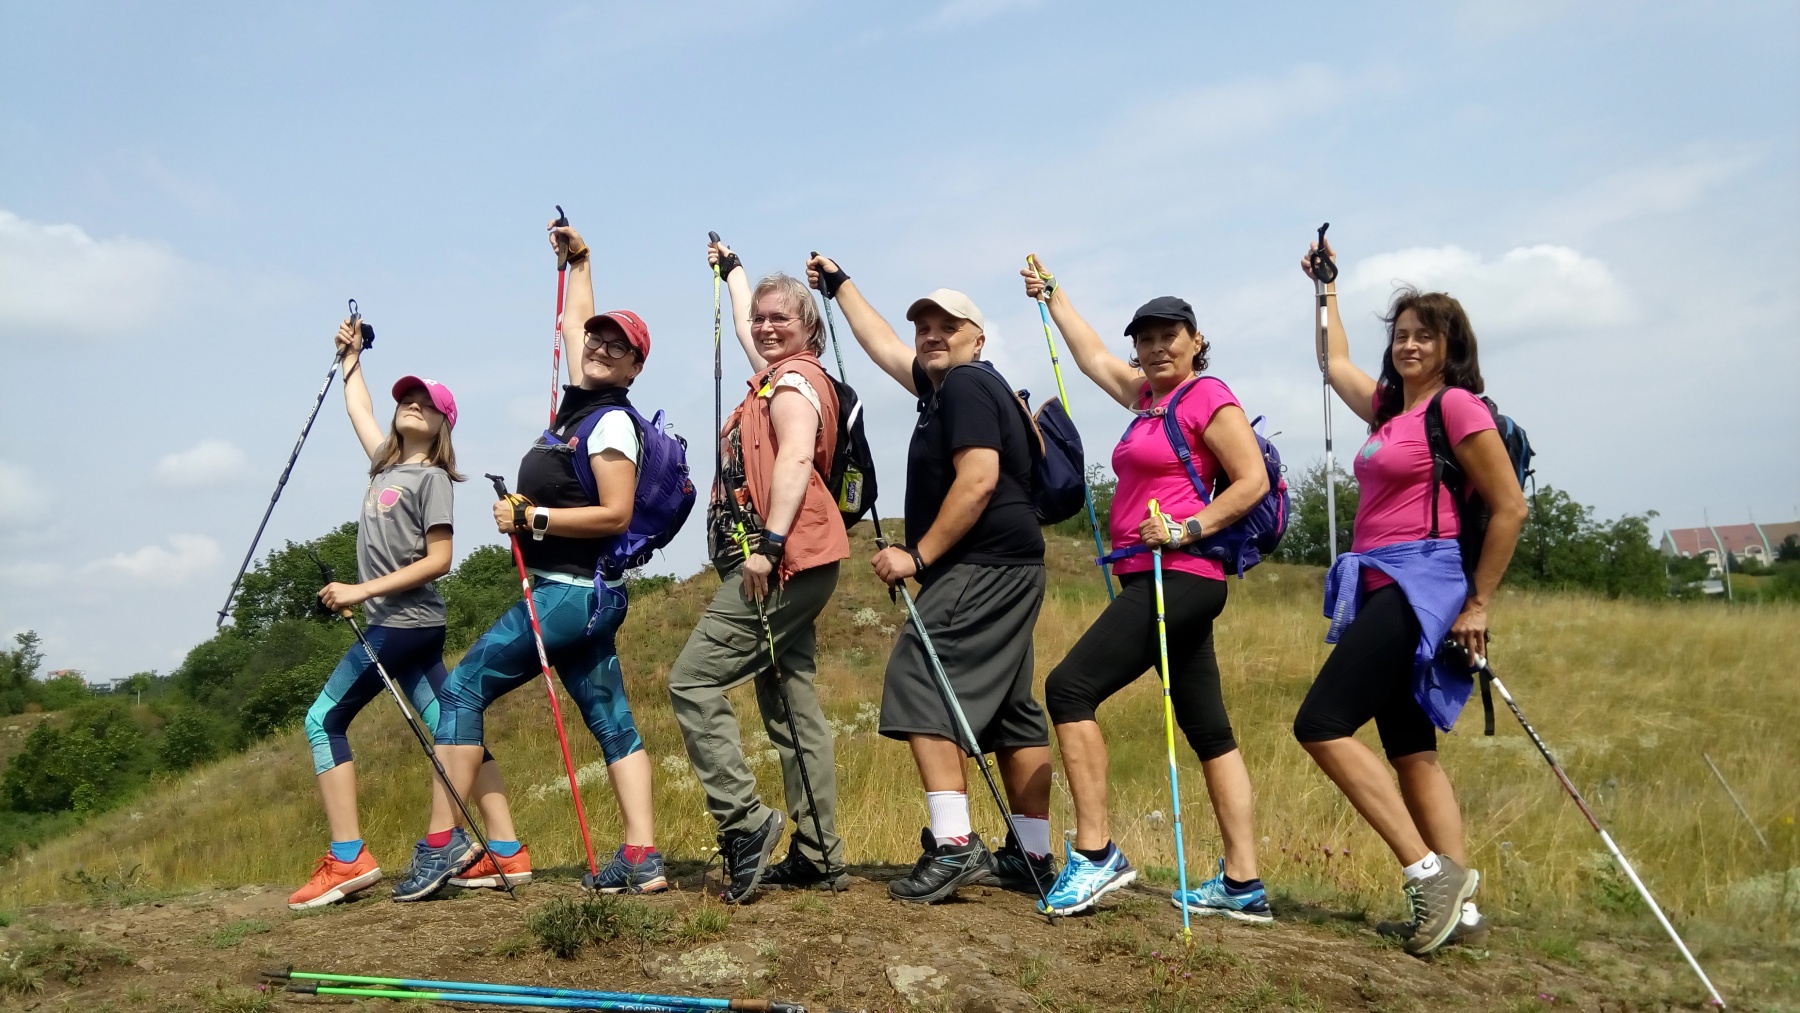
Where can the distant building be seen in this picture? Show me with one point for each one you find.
(1757, 542)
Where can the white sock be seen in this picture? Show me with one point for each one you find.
(1469, 914)
(1424, 868)
(949, 816)
(1033, 833)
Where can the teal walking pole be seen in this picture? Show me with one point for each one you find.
(1062, 394)
(1162, 645)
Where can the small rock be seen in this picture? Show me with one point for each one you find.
(147, 963)
(916, 982)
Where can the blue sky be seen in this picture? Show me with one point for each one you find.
(188, 195)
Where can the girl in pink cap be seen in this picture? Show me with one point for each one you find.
(403, 544)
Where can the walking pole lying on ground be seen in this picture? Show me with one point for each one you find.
(969, 743)
(1043, 304)
(762, 614)
(488, 990)
(1734, 801)
(1324, 273)
(1162, 646)
(556, 342)
(562, 738)
(337, 359)
(418, 733)
(1487, 674)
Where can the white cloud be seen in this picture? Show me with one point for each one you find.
(1528, 289)
(57, 279)
(210, 462)
(957, 13)
(1218, 112)
(19, 505)
(1659, 188)
(154, 564)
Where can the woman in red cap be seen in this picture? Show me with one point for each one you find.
(402, 545)
(562, 532)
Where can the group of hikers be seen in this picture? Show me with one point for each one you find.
(974, 548)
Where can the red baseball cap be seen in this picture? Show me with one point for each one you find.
(636, 333)
(441, 398)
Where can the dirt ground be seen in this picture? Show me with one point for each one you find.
(983, 953)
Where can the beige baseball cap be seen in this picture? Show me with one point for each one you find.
(952, 302)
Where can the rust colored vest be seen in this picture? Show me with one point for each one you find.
(817, 536)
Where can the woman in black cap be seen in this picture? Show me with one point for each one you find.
(1163, 375)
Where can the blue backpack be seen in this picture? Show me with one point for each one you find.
(1244, 542)
(1058, 464)
(665, 491)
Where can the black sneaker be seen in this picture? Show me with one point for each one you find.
(1013, 868)
(746, 854)
(941, 869)
(797, 872)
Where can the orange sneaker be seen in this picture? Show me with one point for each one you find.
(484, 872)
(333, 881)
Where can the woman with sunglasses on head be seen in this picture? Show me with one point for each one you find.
(1166, 366)
(1393, 595)
(562, 532)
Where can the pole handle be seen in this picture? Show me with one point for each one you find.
(278, 972)
(499, 485)
(367, 332)
(562, 258)
(1324, 268)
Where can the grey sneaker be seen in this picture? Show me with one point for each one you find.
(1466, 932)
(1436, 903)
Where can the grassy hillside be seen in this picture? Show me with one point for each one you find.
(1629, 694)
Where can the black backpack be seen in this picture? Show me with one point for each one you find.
(1471, 510)
(852, 479)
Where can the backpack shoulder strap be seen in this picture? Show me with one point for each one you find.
(578, 441)
(1443, 457)
(1033, 434)
(1178, 439)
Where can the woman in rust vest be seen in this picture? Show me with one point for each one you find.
(776, 539)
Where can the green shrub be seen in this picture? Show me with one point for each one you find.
(100, 755)
(193, 736)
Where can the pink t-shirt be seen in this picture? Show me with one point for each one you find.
(1147, 469)
(1393, 472)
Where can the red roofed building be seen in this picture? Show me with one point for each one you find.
(1744, 541)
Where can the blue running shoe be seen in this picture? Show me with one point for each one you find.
(1083, 881)
(622, 876)
(432, 867)
(1212, 898)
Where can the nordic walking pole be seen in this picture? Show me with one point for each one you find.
(337, 359)
(556, 343)
(537, 634)
(1043, 304)
(969, 743)
(1481, 666)
(501, 999)
(418, 733)
(1734, 801)
(686, 1002)
(1324, 273)
(762, 614)
(1162, 646)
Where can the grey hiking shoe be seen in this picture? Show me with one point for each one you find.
(797, 872)
(746, 854)
(1466, 932)
(1436, 903)
(942, 868)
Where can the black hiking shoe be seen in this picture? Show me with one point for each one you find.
(798, 872)
(941, 869)
(746, 854)
(1013, 868)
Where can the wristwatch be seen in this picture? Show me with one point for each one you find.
(1192, 530)
(540, 523)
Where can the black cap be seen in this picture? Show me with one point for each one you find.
(1163, 307)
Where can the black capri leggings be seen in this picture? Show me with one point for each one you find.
(1121, 645)
(1370, 675)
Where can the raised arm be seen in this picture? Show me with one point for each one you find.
(895, 357)
(1114, 375)
(737, 285)
(356, 391)
(578, 304)
(1354, 387)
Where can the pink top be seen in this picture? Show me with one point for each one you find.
(1147, 469)
(1393, 472)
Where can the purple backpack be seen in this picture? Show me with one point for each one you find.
(1244, 542)
(665, 491)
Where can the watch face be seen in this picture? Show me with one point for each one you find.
(1193, 528)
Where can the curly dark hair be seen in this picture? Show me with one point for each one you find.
(1199, 357)
(1440, 314)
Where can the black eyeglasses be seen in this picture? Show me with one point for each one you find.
(612, 348)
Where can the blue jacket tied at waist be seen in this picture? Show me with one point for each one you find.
(1430, 574)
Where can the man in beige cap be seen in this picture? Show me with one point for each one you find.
(973, 544)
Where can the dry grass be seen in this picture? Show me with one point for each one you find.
(1629, 695)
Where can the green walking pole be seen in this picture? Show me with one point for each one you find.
(1162, 645)
(1062, 393)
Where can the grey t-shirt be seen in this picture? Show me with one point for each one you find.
(402, 503)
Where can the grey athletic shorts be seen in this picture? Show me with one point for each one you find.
(980, 619)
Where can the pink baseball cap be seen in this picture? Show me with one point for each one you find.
(637, 333)
(441, 397)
